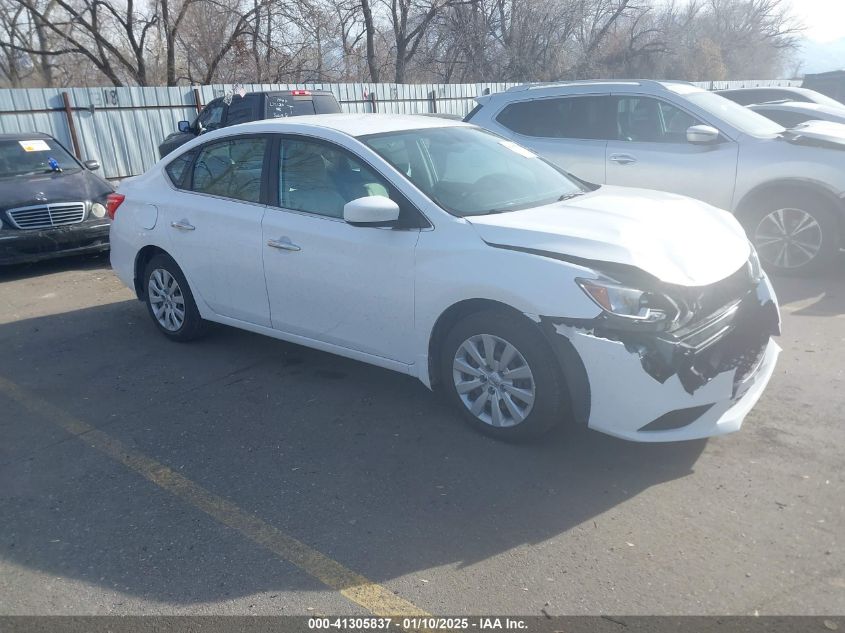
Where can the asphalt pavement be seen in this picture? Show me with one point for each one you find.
(240, 474)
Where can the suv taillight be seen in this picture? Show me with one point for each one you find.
(113, 201)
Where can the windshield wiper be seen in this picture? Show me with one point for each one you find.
(569, 196)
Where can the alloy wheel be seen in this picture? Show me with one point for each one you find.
(788, 238)
(493, 380)
(166, 300)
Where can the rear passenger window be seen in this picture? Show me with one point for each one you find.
(568, 117)
(243, 109)
(231, 169)
(177, 170)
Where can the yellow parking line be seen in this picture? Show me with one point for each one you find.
(366, 593)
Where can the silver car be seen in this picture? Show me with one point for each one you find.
(787, 187)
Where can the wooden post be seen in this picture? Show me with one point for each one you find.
(71, 126)
(197, 100)
(373, 101)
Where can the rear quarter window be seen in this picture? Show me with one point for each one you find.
(178, 169)
(326, 104)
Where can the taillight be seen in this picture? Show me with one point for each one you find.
(113, 201)
(301, 93)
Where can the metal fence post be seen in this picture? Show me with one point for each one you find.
(432, 98)
(70, 124)
(373, 101)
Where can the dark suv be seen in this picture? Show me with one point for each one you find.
(253, 106)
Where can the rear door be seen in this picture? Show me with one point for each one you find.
(571, 132)
(213, 223)
(651, 151)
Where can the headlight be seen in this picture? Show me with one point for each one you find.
(98, 210)
(629, 303)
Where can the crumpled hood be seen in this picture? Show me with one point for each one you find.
(823, 132)
(677, 239)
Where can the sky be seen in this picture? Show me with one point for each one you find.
(824, 19)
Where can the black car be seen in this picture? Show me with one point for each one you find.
(50, 203)
(253, 106)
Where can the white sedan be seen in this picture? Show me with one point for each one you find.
(436, 249)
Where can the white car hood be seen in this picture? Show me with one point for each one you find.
(828, 132)
(677, 239)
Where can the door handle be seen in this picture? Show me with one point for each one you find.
(183, 225)
(283, 243)
(623, 159)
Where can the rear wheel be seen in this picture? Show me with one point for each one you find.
(502, 376)
(794, 233)
(170, 302)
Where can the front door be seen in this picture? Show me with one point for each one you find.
(651, 151)
(351, 286)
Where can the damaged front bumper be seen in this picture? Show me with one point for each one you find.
(24, 246)
(695, 382)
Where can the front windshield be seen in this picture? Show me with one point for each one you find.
(33, 156)
(471, 172)
(737, 116)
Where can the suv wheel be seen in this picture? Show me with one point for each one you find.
(502, 376)
(170, 302)
(793, 233)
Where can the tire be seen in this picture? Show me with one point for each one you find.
(493, 389)
(793, 223)
(160, 274)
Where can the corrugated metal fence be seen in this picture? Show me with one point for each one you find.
(122, 127)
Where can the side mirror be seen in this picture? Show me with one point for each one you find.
(702, 134)
(92, 165)
(184, 127)
(371, 211)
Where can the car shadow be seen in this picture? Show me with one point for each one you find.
(364, 464)
(821, 294)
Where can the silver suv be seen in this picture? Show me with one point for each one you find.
(787, 187)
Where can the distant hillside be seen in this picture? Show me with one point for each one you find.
(820, 57)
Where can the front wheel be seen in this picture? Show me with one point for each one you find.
(793, 234)
(501, 374)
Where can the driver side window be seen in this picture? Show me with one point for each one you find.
(211, 118)
(648, 120)
(316, 178)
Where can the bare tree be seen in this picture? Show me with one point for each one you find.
(146, 42)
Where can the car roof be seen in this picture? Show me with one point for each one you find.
(24, 136)
(650, 86)
(350, 124)
(786, 89)
(284, 93)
